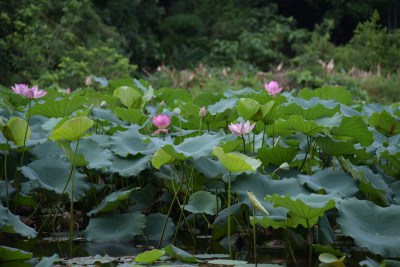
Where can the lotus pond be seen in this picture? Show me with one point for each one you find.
(308, 177)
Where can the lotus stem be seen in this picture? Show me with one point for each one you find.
(254, 237)
(18, 173)
(201, 120)
(244, 144)
(290, 246)
(229, 213)
(311, 242)
(6, 177)
(71, 215)
(263, 137)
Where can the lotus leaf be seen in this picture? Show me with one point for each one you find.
(179, 254)
(128, 96)
(304, 209)
(128, 167)
(277, 155)
(52, 174)
(330, 181)
(115, 227)
(12, 254)
(371, 226)
(236, 162)
(149, 256)
(72, 129)
(14, 130)
(111, 202)
(58, 108)
(155, 224)
(202, 201)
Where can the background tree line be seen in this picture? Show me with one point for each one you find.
(58, 43)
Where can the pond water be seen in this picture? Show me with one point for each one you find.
(123, 253)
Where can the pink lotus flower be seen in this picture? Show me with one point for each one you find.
(68, 91)
(24, 90)
(273, 88)
(240, 128)
(161, 122)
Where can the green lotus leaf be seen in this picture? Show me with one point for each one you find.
(52, 175)
(277, 155)
(206, 99)
(13, 254)
(307, 127)
(105, 116)
(370, 183)
(385, 123)
(207, 166)
(95, 151)
(2, 123)
(72, 129)
(58, 108)
(12, 224)
(14, 130)
(371, 226)
(262, 185)
(196, 147)
(128, 167)
(354, 128)
(224, 262)
(338, 93)
(115, 227)
(128, 96)
(149, 256)
(155, 225)
(392, 157)
(76, 159)
(222, 105)
(330, 181)
(48, 261)
(310, 110)
(266, 221)
(331, 259)
(307, 208)
(134, 116)
(47, 149)
(131, 142)
(269, 112)
(111, 202)
(170, 96)
(333, 147)
(247, 107)
(236, 162)
(219, 227)
(179, 254)
(203, 202)
(327, 249)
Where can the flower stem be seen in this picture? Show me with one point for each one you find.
(18, 172)
(254, 237)
(229, 214)
(263, 137)
(71, 215)
(244, 144)
(6, 177)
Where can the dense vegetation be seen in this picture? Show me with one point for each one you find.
(59, 44)
(143, 121)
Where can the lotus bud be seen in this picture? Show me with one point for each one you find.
(177, 111)
(68, 91)
(103, 104)
(256, 203)
(203, 112)
(88, 81)
(284, 166)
